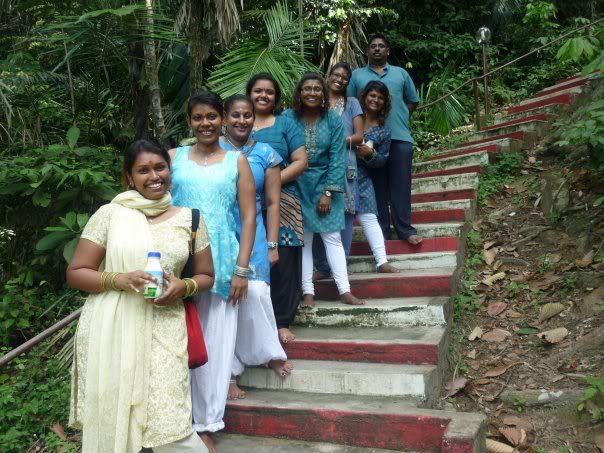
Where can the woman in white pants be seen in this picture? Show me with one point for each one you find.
(322, 183)
(257, 338)
(371, 154)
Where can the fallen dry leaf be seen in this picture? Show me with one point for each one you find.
(586, 261)
(546, 282)
(496, 308)
(493, 278)
(455, 386)
(515, 436)
(554, 258)
(496, 336)
(520, 422)
(472, 354)
(554, 336)
(498, 447)
(482, 381)
(489, 256)
(487, 245)
(514, 314)
(599, 441)
(550, 310)
(490, 202)
(497, 371)
(476, 333)
(59, 431)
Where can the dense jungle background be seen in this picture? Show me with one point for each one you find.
(81, 79)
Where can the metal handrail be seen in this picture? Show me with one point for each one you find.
(29, 344)
(475, 80)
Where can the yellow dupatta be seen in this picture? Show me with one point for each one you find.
(117, 360)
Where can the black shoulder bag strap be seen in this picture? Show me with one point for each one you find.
(188, 270)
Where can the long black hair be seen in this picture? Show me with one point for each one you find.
(381, 88)
(297, 105)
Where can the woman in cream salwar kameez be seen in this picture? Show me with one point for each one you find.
(130, 382)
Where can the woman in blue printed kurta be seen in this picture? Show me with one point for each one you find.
(288, 141)
(257, 339)
(322, 183)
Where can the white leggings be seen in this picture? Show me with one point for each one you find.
(335, 257)
(375, 237)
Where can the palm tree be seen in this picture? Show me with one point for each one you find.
(206, 23)
(152, 75)
(277, 52)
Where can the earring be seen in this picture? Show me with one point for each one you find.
(191, 132)
(223, 130)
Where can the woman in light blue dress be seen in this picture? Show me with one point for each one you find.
(322, 183)
(206, 177)
(257, 338)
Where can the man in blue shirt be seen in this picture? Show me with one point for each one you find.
(392, 183)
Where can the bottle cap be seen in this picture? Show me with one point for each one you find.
(154, 255)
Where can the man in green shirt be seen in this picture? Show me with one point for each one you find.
(392, 183)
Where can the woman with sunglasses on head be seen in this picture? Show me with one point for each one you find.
(287, 140)
(322, 183)
(215, 181)
(257, 338)
(130, 376)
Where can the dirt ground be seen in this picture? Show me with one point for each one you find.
(540, 272)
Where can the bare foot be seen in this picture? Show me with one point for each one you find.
(281, 367)
(207, 439)
(320, 275)
(286, 335)
(235, 393)
(388, 268)
(349, 299)
(414, 239)
(308, 302)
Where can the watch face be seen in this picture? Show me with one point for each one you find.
(327, 193)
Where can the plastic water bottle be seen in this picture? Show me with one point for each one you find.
(153, 267)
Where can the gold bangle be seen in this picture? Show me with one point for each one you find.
(195, 287)
(114, 275)
(187, 288)
(103, 280)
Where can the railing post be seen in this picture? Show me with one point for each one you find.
(476, 105)
(485, 81)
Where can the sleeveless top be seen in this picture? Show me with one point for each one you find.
(213, 190)
(260, 157)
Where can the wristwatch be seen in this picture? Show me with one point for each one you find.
(327, 193)
(272, 245)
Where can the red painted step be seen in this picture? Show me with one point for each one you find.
(370, 423)
(518, 121)
(441, 215)
(363, 352)
(450, 171)
(416, 283)
(460, 151)
(517, 135)
(399, 247)
(577, 76)
(562, 99)
(462, 194)
(561, 86)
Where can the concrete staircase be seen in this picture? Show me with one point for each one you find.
(365, 377)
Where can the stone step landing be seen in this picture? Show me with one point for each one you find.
(359, 264)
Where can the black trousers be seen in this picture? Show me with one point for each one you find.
(392, 185)
(286, 285)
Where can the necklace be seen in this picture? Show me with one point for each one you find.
(240, 148)
(206, 157)
(339, 105)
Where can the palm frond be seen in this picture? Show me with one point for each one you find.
(277, 52)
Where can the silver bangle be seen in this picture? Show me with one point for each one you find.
(242, 272)
(272, 245)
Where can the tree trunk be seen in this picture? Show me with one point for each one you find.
(197, 48)
(152, 75)
(140, 95)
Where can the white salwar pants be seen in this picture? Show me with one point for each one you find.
(334, 250)
(190, 444)
(375, 237)
(257, 338)
(210, 382)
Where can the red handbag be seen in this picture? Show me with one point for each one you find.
(196, 345)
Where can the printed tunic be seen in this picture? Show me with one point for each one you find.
(381, 144)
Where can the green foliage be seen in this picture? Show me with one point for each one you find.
(276, 51)
(466, 301)
(34, 394)
(497, 175)
(585, 128)
(593, 398)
